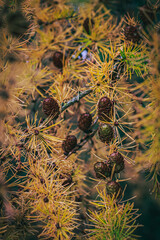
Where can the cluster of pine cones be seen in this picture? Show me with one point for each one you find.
(115, 162)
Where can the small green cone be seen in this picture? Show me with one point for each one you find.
(105, 133)
(114, 188)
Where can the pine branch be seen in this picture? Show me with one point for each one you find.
(58, 19)
(75, 99)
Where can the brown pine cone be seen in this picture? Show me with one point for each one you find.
(51, 107)
(105, 109)
(116, 159)
(131, 33)
(69, 143)
(102, 170)
(85, 122)
(105, 133)
(58, 59)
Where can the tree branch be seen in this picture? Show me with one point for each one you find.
(57, 19)
(75, 99)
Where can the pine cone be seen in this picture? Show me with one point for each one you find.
(102, 170)
(105, 133)
(116, 159)
(69, 143)
(87, 24)
(57, 59)
(114, 188)
(51, 107)
(131, 33)
(105, 109)
(85, 121)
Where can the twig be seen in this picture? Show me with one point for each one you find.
(75, 99)
(58, 19)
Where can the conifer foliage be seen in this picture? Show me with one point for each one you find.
(70, 108)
